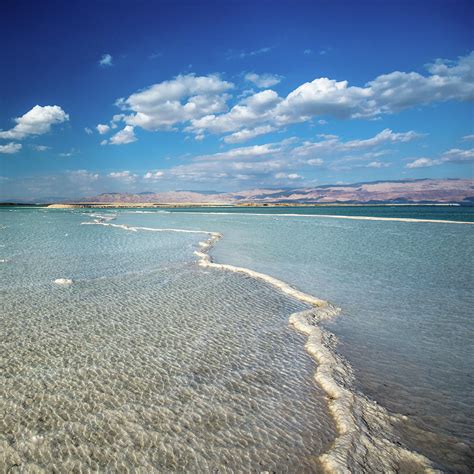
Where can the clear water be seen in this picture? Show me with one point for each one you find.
(455, 213)
(149, 362)
(146, 361)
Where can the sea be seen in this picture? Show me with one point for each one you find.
(295, 339)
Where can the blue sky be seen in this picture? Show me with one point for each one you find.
(105, 96)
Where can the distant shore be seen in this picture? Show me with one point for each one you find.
(95, 205)
(172, 205)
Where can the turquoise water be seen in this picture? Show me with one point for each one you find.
(144, 347)
(455, 213)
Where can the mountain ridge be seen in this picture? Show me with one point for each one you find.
(421, 191)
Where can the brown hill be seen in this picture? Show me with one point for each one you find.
(422, 191)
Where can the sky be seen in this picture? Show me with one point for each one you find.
(149, 96)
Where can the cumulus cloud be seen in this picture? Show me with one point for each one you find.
(423, 163)
(377, 164)
(153, 175)
(249, 152)
(102, 129)
(253, 110)
(263, 80)
(82, 176)
(126, 135)
(10, 148)
(200, 103)
(291, 176)
(88, 131)
(163, 105)
(454, 155)
(124, 176)
(36, 121)
(246, 134)
(106, 60)
(332, 145)
(458, 155)
(386, 94)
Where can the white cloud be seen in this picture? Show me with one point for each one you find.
(454, 155)
(386, 94)
(10, 148)
(468, 137)
(332, 145)
(40, 147)
(263, 80)
(315, 162)
(88, 131)
(127, 135)
(115, 119)
(82, 176)
(423, 163)
(36, 121)
(243, 163)
(249, 152)
(67, 154)
(102, 129)
(153, 175)
(458, 155)
(253, 110)
(290, 176)
(261, 163)
(168, 103)
(308, 51)
(124, 176)
(246, 134)
(377, 164)
(106, 60)
(200, 103)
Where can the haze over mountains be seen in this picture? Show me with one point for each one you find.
(403, 191)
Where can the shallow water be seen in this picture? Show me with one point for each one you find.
(154, 364)
(405, 290)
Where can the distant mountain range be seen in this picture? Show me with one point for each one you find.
(422, 191)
